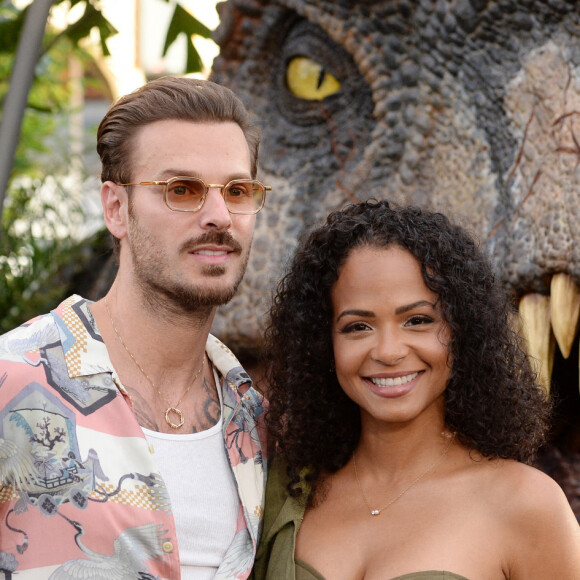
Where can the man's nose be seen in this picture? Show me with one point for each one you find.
(214, 212)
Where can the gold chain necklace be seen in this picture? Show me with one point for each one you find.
(376, 512)
(171, 408)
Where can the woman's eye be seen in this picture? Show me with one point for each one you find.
(418, 320)
(354, 327)
(309, 80)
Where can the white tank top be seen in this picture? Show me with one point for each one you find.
(203, 496)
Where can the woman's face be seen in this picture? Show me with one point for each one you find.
(389, 338)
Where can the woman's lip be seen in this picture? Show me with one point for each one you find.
(394, 380)
(395, 390)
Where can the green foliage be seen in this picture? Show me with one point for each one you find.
(11, 21)
(41, 210)
(91, 18)
(183, 22)
(34, 247)
(40, 250)
(47, 104)
(49, 94)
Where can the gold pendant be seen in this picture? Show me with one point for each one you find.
(178, 413)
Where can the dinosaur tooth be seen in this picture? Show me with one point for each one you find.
(564, 310)
(535, 314)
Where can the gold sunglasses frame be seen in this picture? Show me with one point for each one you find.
(207, 187)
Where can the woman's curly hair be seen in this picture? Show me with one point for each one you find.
(492, 400)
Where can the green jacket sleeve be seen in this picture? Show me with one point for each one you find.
(282, 518)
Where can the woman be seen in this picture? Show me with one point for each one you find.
(404, 411)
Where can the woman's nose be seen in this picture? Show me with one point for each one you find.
(390, 348)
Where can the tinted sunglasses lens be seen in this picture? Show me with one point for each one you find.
(244, 196)
(185, 194)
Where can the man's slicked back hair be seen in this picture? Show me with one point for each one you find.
(167, 98)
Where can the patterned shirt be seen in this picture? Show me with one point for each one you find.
(80, 493)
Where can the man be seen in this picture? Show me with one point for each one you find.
(126, 429)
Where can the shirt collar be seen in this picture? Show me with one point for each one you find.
(86, 353)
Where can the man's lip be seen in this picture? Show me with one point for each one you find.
(218, 249)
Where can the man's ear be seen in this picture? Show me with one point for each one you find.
(115, 208)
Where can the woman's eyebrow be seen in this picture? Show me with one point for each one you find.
(363, 313)
(399, 310)
(407, 307)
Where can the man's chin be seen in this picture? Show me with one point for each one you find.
(213, 286)
(202, 296)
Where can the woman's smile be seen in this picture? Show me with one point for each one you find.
(393, 388)
(393, 382)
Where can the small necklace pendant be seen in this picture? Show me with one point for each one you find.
(178, 413)
(375, 512)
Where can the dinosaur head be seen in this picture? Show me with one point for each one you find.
(469, 107)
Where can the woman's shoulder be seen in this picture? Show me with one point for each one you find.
(530, 527)
(516, 488)
(536, 497)
(527, 487)
(539, 530)
(513, 496)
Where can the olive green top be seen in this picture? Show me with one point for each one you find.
(282, 518)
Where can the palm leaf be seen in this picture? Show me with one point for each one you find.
(182, 22)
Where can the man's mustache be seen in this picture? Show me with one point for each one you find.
(214, 238)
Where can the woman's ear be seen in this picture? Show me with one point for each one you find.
(115, 208)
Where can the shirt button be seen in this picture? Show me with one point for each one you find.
(151, 449)
(167, 547)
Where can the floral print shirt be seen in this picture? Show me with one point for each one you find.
(80, 493)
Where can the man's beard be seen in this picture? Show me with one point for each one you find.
(162, 291)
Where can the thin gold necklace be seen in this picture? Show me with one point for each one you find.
(375, 511)
(171, 408)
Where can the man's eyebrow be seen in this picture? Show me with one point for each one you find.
(170, 173)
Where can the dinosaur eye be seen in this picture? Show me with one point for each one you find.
(309, 80)
(316, 78)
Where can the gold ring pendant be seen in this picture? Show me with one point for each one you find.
(178, 413)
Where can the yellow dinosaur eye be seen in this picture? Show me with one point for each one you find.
(308, 80)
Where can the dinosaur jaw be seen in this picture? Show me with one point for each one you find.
(548, 321)
(550, 327)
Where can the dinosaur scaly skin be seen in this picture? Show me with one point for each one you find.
(465, 106)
